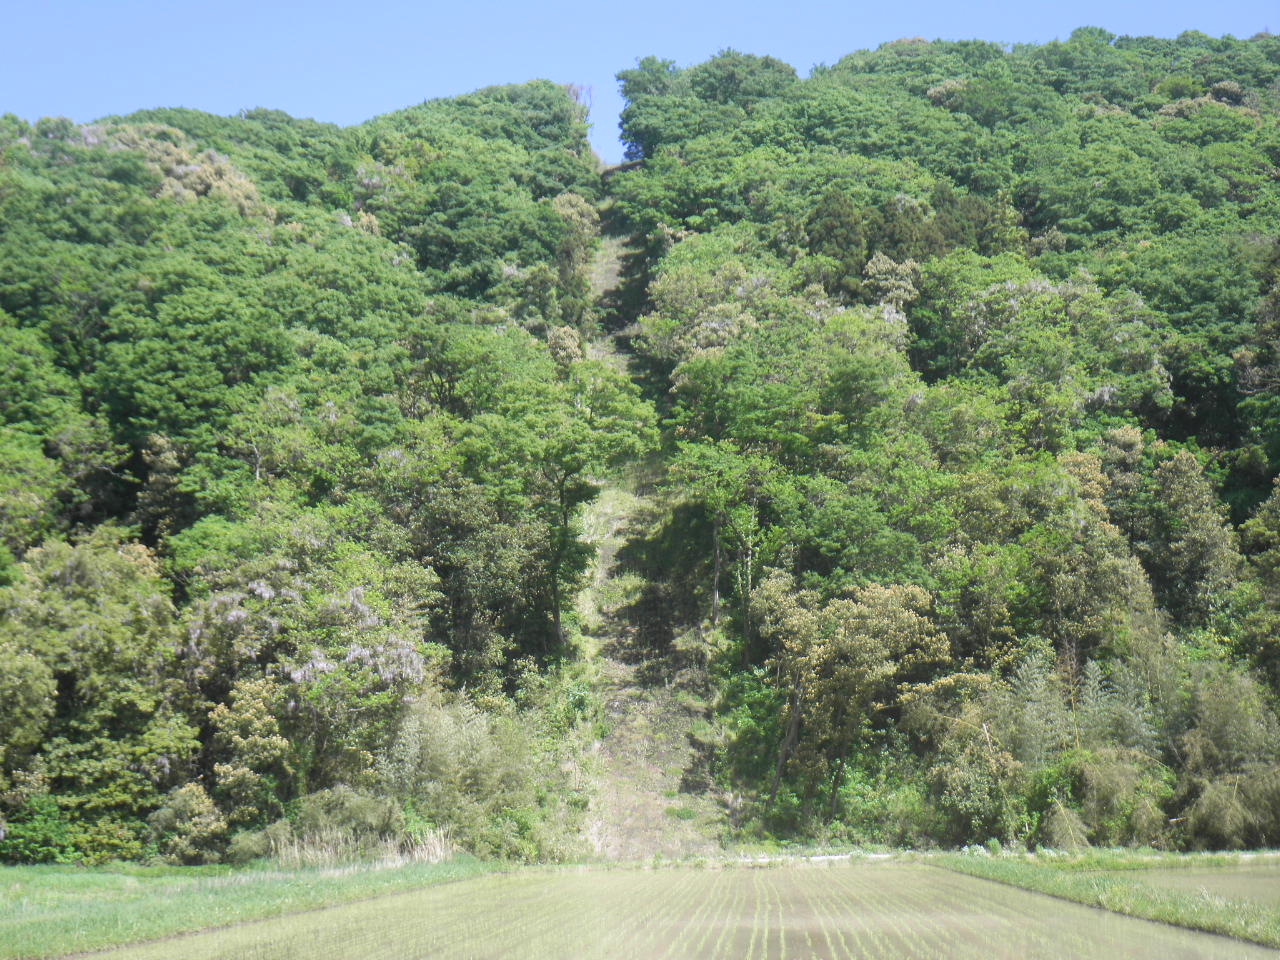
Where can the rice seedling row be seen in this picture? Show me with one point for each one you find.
(821, 912)
(701, 925)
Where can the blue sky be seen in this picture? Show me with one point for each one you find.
(347, 62)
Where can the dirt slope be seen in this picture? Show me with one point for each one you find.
(648, 800)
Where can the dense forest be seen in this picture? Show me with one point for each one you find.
(956, 366)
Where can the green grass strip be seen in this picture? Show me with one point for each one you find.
(1082, 881)
(52, 911)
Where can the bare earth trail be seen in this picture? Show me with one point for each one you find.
(644, 762)
(642, 807)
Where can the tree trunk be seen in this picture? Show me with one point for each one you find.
(789, 740)
(715, 578)
(555, 608)
(837, 777)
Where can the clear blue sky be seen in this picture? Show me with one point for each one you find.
(346, 62)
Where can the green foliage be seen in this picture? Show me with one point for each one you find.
(481, 777)
(38, 832)
(189, 825)
(840, 664)
(957, 364)
(990, 329)
(305, 364)
(96, 620)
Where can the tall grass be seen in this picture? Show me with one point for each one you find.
(336, 847)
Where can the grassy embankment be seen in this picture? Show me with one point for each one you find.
(48, 911)
(1147, 885)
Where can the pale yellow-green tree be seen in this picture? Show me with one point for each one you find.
(842, 663)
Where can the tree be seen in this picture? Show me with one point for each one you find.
(738, 490)
(740, 78)
(650, 77)
(843, 664)
(837, 230)
(31, 491)
(1193, 559)
(1261, 535)
(92, 626)
(573, 257)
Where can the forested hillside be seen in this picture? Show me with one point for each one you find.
(297, 426)
(957, 366)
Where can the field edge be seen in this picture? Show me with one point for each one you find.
(106, 933)
(1123, 894)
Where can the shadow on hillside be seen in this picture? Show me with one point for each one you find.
(661, 547)
(627, 299)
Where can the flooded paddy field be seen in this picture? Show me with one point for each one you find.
(778, 912)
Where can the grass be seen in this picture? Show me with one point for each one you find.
(1144, 859)
(874, 911)
(49, 911)
(603, 521)
(1256, 882)
(1130, 884)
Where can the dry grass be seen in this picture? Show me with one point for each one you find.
(333, 848)
(641, 808)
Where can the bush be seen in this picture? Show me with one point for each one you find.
(189, 828)
(1237, 810)
(247, 845)
(38, 832)
(109, 840)
(482, 777)
(344, 810)
(1062, 829)
(43, 831)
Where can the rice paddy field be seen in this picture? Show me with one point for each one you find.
(837, 909)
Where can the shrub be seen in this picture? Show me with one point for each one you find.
(1062, 829)
(247, 845)
(345, 810)
(38, 832)
(109, 840)
(189, 828)
(480, 776)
